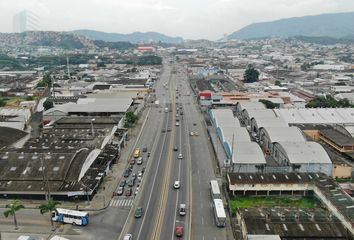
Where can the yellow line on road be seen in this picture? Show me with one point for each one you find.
(167, 174)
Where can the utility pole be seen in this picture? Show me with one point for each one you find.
(68, 66)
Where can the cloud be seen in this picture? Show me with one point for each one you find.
(187, 18)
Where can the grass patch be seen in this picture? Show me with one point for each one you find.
(254, 202)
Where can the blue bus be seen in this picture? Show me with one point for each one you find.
(70, 216)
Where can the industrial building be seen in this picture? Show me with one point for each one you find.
(67, 161)
(245, 156)
(302, 157)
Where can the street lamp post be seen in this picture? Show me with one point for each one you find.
(87, 193)
(92, 130)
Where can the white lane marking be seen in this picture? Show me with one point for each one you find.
(202, 221)
(155, 177)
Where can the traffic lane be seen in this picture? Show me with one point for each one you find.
(203, 217)
(151, 208)
(174, 195)
(150, 184)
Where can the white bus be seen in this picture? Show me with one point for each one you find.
(219, 213)
(215, 190)
(70, 216)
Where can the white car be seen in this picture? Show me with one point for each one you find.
(176, 185)
(180, 156)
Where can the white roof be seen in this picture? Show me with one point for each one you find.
(260, 113)
(285, 134)
(251, 105)
(305, 152)
(263, 237)
(270, 122)
(317, 115)
(248, 153)
(111, 105)
(225, 118)
(68, 211)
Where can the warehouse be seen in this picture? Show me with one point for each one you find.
(302, 157)
(248, 114)
(317, 116)
(240, 106)
(247, 157)
(257, 123)
(269, 135)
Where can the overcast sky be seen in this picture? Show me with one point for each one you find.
(191, 19)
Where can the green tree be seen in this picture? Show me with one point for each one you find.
(2, 102)
(269, 104)
(49, 207)
(12, 208)
(277, 83)
(251, 74)
(130, 119)
(48, 104)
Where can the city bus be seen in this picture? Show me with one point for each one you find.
(70, 216)
(219, 213)
(136, 153)
(215, 190)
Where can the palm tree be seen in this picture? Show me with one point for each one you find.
(50, 206)
(12, 208)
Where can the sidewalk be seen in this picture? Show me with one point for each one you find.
(105, 192)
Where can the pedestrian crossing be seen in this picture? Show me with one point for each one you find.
(121, 202)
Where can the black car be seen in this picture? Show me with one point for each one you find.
(126, 173)
(145, 149)
(131, 182)
(143, 170)
(169, 129)
(122, 183)
(175, 148)
(148, 154)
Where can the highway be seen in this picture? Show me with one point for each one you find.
(160, 201)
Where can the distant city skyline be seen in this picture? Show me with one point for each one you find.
(190, 19)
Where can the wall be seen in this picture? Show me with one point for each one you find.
(342, 171)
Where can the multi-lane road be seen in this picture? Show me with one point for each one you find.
(156, 194)
(158, 198)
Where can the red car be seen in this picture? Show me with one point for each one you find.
(128, 192)
(132, 162)
(179, 231)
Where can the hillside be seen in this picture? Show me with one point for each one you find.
(136, 37)
(45, 39)
(335, 25)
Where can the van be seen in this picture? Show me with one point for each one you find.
(182, 209)
(128, 237)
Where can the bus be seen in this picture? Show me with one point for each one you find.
(219, 213)
(70, 216)
(136, 153)
(215, 190)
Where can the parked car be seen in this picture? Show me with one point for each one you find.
(128, 192)
(143, 170)
(131, 182)
(120, 191)
(126, 173)
(132, 161)
(134, 176)
(122, 183)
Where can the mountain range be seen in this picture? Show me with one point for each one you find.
(135, 37)
(335, 25)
